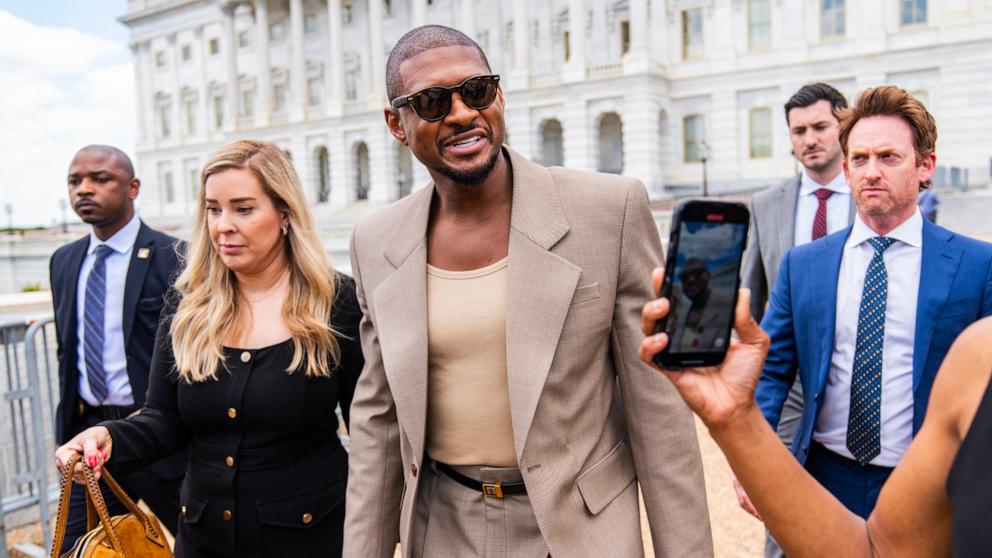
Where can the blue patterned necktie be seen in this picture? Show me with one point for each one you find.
(864, 425)
(96, 297)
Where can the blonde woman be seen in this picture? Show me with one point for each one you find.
(256, 349)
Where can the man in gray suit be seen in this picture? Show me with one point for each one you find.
(810, 205)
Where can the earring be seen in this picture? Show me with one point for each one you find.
(285, 230)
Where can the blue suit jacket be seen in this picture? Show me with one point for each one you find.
(955, 290)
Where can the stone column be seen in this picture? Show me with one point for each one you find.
(520, 73)
(575, 68)
(207, 131)
(418, 12)
(641, 136)
(638, 58)
(264, 92)
(576, 133)
(377, 72)
(298, 70)
(468, 18)
(335, 71)
(140, 93)
(230, 70)
(382, 166)
(179, 123)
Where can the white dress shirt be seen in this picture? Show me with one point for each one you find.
(902, 264)
(838, 206)
(114, 359)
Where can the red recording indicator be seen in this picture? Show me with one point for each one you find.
(714, 217)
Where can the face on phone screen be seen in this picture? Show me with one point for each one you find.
(703, 283)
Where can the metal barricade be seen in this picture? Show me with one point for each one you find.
(27, 474)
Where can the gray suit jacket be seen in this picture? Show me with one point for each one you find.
(589, 418)
(772, 234)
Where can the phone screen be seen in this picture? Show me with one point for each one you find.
(703, 284)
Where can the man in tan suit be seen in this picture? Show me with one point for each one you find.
(503, 410)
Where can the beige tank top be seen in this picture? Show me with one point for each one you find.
(468, 402)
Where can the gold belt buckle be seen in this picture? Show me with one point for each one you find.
(492, 489)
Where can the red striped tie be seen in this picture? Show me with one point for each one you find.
(820, 220)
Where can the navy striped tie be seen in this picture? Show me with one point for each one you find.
(96, 296)
(864, 423)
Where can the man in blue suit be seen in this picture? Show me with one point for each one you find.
(867, 314)
(107, 291)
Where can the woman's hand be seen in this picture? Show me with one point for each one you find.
(716, 393)
(94, 443)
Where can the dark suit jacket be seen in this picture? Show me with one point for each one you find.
(955, 290)
(147, 281)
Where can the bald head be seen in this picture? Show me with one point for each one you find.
(118, 157)
(418, 40)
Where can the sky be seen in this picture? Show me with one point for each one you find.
(66, 81)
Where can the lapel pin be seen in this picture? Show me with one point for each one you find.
(143, 253)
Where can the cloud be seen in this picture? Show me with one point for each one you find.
(62, 89)
(50, 50)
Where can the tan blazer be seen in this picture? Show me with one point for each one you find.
(582, 247)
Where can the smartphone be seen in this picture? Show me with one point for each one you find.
(702, 275)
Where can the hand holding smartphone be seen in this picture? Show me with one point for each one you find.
(702, 275)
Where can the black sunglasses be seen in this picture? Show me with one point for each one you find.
(434, 103)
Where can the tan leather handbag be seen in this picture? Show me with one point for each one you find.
(133, 535)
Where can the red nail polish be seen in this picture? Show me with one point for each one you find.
(91, 461)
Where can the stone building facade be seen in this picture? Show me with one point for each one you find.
(646, 88)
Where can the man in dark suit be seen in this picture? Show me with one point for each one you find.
(107, 291)
(867, 314)
(814, 203)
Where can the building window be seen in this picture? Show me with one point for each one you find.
(692, 34)
(760, 130)
(315, 91)
(187, 53)
(164, 120)
(347, 14)
(566, 41)
(244, 39)
(190, 110)
(914, 12)
(160, 59)
(693, 136)
(309, 24)
(832, 22)
(759, 22)
(351, 84)
(194, 182)
(218, 112)
(280, 96)
(213, 46)
(387, 6)
(624, 36)
(248, 102)
(168, 188)
(277, 32)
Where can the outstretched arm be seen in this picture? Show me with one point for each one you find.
(913, 514)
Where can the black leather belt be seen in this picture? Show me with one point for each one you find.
(490, 489)
(106, 412)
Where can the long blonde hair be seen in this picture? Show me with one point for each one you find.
(210, 307)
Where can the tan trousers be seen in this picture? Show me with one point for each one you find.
(453, 521)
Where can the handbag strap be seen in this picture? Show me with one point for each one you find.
(62, 515)
(96, 508)
(94, 494)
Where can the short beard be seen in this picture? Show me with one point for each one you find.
(474, 176)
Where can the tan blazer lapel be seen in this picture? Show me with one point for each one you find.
(400, 304)
(540, 286)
